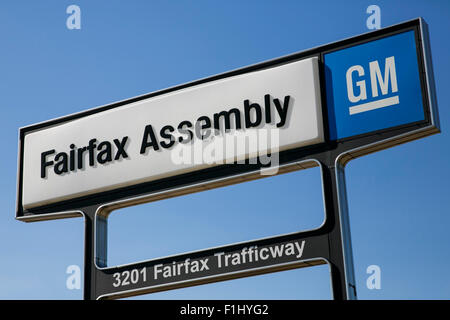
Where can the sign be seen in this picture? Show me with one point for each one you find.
(369, 86)
(147, 140)
(321, 107)
(373, 86)
(226, 262)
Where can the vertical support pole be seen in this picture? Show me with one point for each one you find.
(95, 250)
(89, 256)
(341, 256)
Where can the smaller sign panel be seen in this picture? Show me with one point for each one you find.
(211, 265)
(373, 86)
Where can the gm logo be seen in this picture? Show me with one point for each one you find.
(363, 85)
(378, 83)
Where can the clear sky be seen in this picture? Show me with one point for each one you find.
(398, 198)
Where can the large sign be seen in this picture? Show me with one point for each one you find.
(320, 107)
(368, 87)
(147, 140)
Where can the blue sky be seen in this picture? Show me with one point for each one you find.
(398, 198)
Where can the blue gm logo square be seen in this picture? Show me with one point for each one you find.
(373, 86)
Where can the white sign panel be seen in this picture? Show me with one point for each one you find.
(174, 133)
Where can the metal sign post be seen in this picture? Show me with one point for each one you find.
(332, 104)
